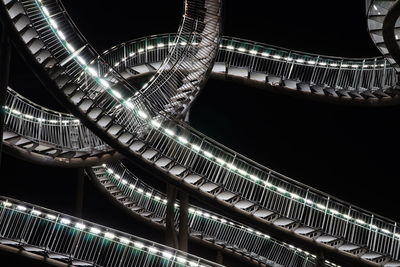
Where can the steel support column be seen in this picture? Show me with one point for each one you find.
(5, 58)
(80, 193)
(320, 261)
(219, 258)
(187, 117)
(183, 221)
(171, 238)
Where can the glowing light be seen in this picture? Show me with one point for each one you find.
(167, 255)
(208, 154)
(36, 212)
(169, 132)
(109, 235)
(183, 140)
(80, 226)
(116, 94)
(92, 71)
(142, 114)
(65, 221)
(138, 245)
(156, 123)
(51, 216)
(124, 240)
(22, 208)
(95, 230)
(53, 23)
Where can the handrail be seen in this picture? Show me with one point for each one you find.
(53, 232)
(358, 75)
(154, 201)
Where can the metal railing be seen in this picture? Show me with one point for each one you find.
(64, 131)
(38, 124)
(358, 74)
(65, 238)
(203, 223)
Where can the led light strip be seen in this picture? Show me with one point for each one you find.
(18, 113)
(197, 212)
(255, 52)
(301, 61)
(142, 50)
(168, 255)
(284, 193)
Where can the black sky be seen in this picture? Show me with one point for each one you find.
(348, 152)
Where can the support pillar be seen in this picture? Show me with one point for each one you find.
(80, 193)
(5, 58)
(219, 257)
(187, 117)
(320, 261)
(183, 221)
(170, 235)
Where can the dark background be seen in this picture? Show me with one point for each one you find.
(349, 152)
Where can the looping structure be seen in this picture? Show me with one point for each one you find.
(277, 220)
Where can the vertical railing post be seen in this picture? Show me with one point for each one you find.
(5, 58)
(145, 50)
(373, 75)
(170, 235)
(360, 79)
(291, 65)
(125, 54)
(314, 71)
(337, 82)
(384, 75)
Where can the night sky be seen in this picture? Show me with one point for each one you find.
(348, 152)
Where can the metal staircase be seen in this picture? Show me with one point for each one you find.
(133, 125)
(65, 239)
(141, 199)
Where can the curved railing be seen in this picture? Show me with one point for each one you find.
(19, 118)
(326, 206)
(143, 55)
(364, 78)
(140, 198)
(57, 129)
(78, 242)
(135, 129)
(63, 131)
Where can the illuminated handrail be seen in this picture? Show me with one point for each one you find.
(203, 222)
(358, 74)
(26, 225)
(121, 57)
(39, 124)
